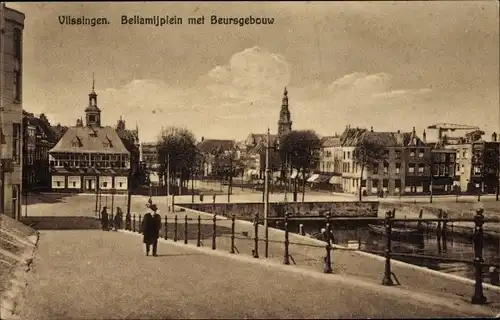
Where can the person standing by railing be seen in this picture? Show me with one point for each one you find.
(104, 219)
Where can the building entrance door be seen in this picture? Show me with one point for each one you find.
(89, 184)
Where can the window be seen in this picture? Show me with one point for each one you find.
(344, 155)
(58, 183)
(443, 157)
(104, 184)
(435, 170)
(386, 169)
(385, 183)
(446, 171)
(121, 184)
(16, 152)
(464, 153)
(348, 155)
(375, 183)
(451, 169)
(398, 154)
(412, 152)
(421, 153)
(91, 118)
(398, 168)
(477, 169)
(452, 157)
(421, 168)
(458, 154)
(462, 170)
(375, 169)
(17, 67)
(74, 184)
(411, 168)
(442, 169)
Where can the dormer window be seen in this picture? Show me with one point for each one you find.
(77, 142)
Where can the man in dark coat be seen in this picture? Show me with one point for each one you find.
(104, 219)
(151, 225)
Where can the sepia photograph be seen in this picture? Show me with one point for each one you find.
(250, 160)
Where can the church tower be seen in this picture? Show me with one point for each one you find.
(92, 112)
(285, 122)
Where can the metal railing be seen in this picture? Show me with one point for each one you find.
(327, 234)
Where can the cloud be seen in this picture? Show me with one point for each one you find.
(245, 94)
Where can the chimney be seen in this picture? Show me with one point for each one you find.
(202, 138)
(494, 137)
(371, 129)
(399, 131)
(424, 137)
(413, 130)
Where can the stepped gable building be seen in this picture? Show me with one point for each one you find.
(90, 156)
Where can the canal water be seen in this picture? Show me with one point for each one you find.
(456, 247)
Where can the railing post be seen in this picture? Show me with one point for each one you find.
(198, 240)
(133, 224)
(175, 228)
(185, 229)
(387, 279)
(233, 226)
(444, 236)
(478, 297)
(328, 247)
(214, 231)
(286, 258)
(111, 221)
(140, 224)
(439, 231)
(166, 227)
(256, 237)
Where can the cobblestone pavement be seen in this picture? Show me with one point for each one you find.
(93, 274)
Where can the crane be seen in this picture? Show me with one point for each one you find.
(442, 127)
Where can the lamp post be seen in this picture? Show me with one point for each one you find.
(266, 195)
(167, 180)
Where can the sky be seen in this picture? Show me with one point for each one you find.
(386, 65)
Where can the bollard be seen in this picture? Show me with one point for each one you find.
(478, 297)
(301, 229)
(175, 229)
(133, 219)
(256, 237)
(140, 225)
(444, 236)
(439, 231)
(185, 229)
(214, 234)
(286, 258)
(328, 247)
(166, 227)
(494, 276)
(387, 280)
(198, 241)
(233, 227)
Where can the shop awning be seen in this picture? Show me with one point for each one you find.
(335, 180)
(294, 174)
(313, 178)
(253, 172)
(323, 178)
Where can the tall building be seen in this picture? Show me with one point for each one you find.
(90, 156)
(11, 110)
(285, 121)
(39, 138)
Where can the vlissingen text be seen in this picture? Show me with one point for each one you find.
(82, 21)
(159, 21)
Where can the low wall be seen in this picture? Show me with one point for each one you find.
(247, 211)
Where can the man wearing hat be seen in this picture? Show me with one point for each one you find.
(151, 225)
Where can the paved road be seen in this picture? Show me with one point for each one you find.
(98, 275)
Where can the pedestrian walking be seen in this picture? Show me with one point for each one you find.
(104, 219)
(213, 198)
(201, 197)
(118, 219)
(151, 225)
(128, 221)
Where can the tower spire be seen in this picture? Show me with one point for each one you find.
(284, 122)
(93, 82)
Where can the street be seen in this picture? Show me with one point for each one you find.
(105, 275)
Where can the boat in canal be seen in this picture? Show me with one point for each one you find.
(398, 234)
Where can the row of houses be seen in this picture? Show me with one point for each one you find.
(411, 165)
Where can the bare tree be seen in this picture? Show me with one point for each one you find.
(301, 149)
(367, 154)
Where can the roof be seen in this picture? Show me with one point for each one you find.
(330, 141)
(43, 128)
(213, 145)
(90, 139)
(149, 146)
(254, 139)
(351, 136)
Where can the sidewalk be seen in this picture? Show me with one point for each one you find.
(105, 275)
(308, 254)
